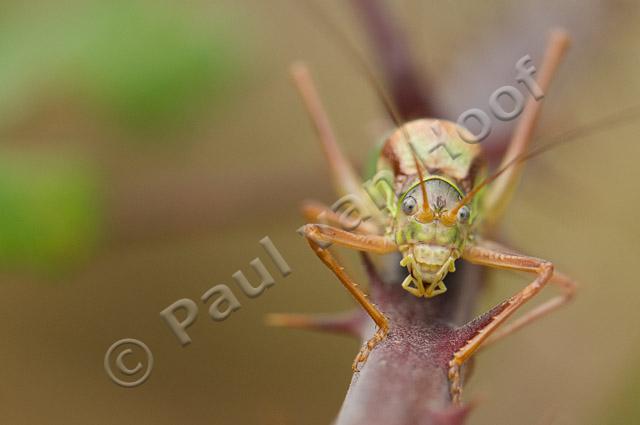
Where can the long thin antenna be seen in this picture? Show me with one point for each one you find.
(523, 135)
(623, 116)
(344, 177)
(557, 46)
(345, 43)
(342, 41)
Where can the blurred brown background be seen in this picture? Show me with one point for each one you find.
(147, 146)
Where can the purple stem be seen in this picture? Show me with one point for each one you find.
(406, 89)
(404, 381)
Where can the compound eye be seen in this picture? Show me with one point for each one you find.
(463, 214)
(409, 205)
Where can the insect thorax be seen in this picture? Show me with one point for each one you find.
(440, 150)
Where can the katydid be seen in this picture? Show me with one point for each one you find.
(439, 210)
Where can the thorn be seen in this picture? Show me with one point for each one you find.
(349, 323)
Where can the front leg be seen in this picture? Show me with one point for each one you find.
(492, 255)
(320, 237)
(326, 236)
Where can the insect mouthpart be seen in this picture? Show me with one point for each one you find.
(427, 266)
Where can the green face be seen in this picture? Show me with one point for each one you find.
(443, 196)
(430, 246)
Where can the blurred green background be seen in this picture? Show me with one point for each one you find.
(147, 146)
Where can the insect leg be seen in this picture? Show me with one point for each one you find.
(568, 287)
(488, 254)
(345, 179)
(501, 190)
(348, 323)
(317, 212)
(325, 236)
(318, 236)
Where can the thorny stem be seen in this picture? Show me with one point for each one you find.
(405, 380)
(407, 372)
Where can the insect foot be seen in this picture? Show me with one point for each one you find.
(363, 355)
(455, 388)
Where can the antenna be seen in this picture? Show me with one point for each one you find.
(623, 116)
(345, 43)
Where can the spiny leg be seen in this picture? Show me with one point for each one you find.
(326, 236)
(488, 254)
(346, 183)
(361, 298)
(501, 190)
(314, 211)
(317, 212)
(318, 236)
(568, 287)
(564, 283)
(345, 179)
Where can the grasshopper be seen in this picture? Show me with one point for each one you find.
(439, 208)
